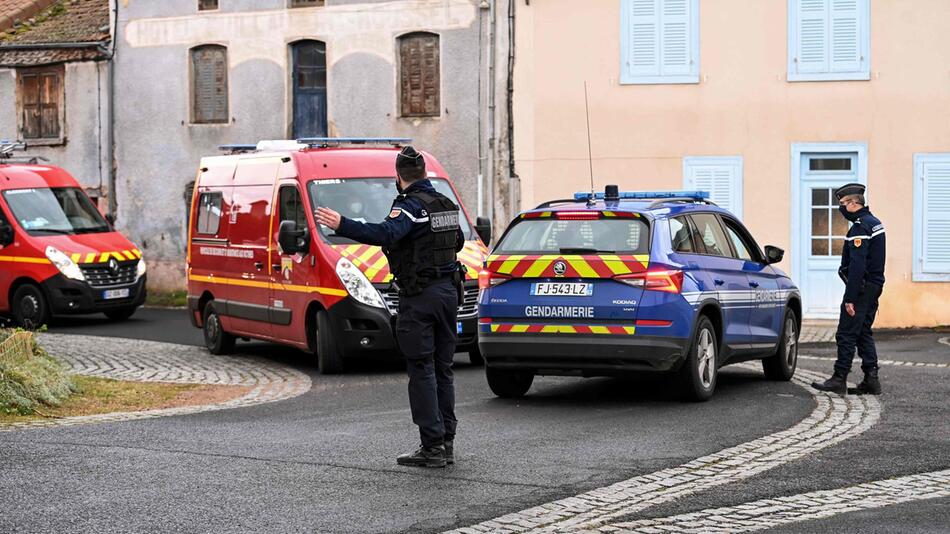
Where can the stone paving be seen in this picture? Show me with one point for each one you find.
(834, 419)
(818, 332)
(151, 361)
(769, 513)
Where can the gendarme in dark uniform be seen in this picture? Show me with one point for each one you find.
(862, 270)
(420, 238)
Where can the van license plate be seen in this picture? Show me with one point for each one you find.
(562, 289)
(115, 293)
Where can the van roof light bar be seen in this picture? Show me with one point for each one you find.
(237, 149)
(324, 142)
(644, 195)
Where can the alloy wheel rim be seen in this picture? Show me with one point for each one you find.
(791, 343)
(705, 358)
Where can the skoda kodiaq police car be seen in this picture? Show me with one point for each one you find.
(616, 282)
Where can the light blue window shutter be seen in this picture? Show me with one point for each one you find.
(720, 176)
(812, 36)
(643, 54)
(936, 218)
(675, 38)
(845, 32)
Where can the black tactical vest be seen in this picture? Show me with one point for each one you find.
(415, 262)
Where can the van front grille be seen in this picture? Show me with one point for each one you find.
(102, 275)
(468, 308)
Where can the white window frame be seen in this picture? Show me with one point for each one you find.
(918, 274)
(863, 74)
(718, 161)
(628, 79)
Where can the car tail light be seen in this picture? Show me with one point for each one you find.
(487, 279)
(656, 278)
(577, 215)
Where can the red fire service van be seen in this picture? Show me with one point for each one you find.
(259, 267)
(58, 254)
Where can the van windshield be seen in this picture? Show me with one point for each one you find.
(59, 210)
(561, 236)
(367, 200)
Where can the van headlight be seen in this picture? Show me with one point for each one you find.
(65, 264)
(357, 285)
(140, 269)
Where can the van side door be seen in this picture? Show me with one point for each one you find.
(290, 273)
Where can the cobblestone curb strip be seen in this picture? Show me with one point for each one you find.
(896, 363)
(770, 513)
(150, 361)
(834, 419)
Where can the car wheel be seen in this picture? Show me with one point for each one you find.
(216, 339)
(329, 357)
(699, 371)
(509, 384)
(120, 314)
(475, 357)
(30, 309)
(782, 364)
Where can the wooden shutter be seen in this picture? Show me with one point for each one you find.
(721, 177)
(675, 38)
(812, 36)
(210, 84)
(420, 83)
(40, 101)
(936, 217)
(643, 57)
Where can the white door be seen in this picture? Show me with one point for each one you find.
(823, 230)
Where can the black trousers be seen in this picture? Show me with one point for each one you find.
(855, 332)
(426, 333)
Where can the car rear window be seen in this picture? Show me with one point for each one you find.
(552, 236)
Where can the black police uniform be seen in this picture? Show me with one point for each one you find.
(420, 238)
(862, 269)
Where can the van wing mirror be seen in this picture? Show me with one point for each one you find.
(773, 254)
(483, 229)
(291, 239)
(6, 234)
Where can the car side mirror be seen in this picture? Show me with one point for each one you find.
(773, 254)
(6, 234)
(483, 229)
(291, 239)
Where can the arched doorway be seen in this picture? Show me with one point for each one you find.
(309, 89)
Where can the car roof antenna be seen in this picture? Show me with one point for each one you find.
(590, 157)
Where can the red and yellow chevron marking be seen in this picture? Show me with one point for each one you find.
(513, 328)
(587, 266)
(371, 260)
(102, 257)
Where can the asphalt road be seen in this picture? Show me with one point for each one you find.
(324, 461)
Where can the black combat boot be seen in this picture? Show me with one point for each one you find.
(869, 386)
(836, 384)
(449, 452)
(424, 457)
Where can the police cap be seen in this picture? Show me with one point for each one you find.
(409, 158)
(849, 189)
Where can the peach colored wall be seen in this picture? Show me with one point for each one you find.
(744, 106)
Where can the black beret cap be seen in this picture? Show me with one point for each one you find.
(849, 189)
(409, 157)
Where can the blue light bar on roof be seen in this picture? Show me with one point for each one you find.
(644, 195)
(327, 141)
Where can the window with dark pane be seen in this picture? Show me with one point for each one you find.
(828, 227)
(41, 97)
(209, 213)
(829, 164)
(291, 207)
(209, 65)
(205, 5)
(306, 3)
(419, 75)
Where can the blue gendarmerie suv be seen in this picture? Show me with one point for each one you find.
(610, 283)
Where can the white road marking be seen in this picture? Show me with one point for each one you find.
(769, 513)
(944, 340)
(834, 419)
(896, 363)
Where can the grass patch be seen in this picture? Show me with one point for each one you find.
(30, 379)
(104, 395)
(167, 299)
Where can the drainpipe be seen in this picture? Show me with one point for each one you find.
(490, 193)
(113, 202)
